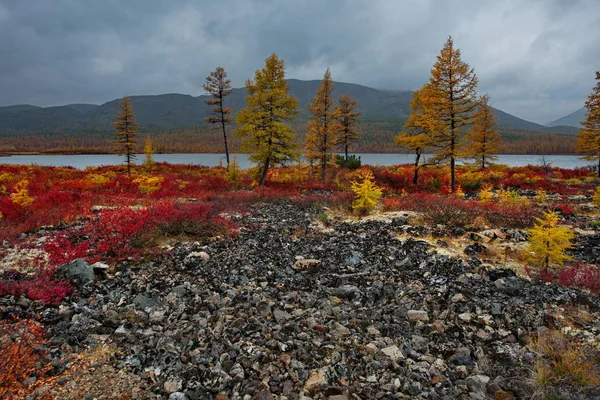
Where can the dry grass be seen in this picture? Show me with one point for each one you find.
(562, 362)
(92, 374)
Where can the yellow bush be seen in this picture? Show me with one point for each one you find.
(149, 184)
(459, 192)
(181, 184)
(541, 196)
(293, 174)
(511, 198)
(7, 177)
(486, 195)
(233, 172)
(596, 197)
(366, 194)
(97, 179)
(493, 177)
(21, 195)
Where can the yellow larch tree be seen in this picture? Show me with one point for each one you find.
(126, 132)
(218, 87)
(417, 132)
(346, 116)
(262, 123)
(483, 138)
(588, 142)
(148, 152)
(548, 241)
(321, 129)
(452, 98)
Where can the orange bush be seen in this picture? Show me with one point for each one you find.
(21, 355)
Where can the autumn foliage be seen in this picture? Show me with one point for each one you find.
(21, 355)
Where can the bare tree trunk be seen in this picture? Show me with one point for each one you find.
(265, 169)
(224, 133)
(416, 175)
(452, 179)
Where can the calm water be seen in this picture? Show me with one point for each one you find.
(211, 160)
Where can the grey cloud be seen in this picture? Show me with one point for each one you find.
(536, 58)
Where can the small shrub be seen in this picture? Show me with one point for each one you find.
(366, 194)
(443, 210)
(21, 355)
(233, 173)
(583, 276)
(21, 194)
(149, 184)
(511, 198)
(517, 216)
(471, 181)
(352, 162)
(98, 179)
(392, 203)
(486, 195)
(541, 196)
(596, 197)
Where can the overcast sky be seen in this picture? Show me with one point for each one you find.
(536, 58)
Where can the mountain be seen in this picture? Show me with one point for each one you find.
(177, 111)
(82, 108)
(574, 119)
(177, 120)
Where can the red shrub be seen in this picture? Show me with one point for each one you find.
(585, 276)
(41, 287)
(391, 203)
(392, 181)
(442, 210)
(513, 216)
(111, 235)
(21, 355)
(187, 218)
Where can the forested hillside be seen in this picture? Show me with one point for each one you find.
(175, 123)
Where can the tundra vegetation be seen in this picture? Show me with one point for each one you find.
(537, 222)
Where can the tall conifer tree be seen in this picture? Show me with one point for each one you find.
(417, 132)
(320, 135)
(219, 87)
(346, 116)
(126, 131)
(588, 142)
(483, 139)
(262, 123)
(453, 100)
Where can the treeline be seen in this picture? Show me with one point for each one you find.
(376, 138)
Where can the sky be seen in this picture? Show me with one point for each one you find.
(535, 58)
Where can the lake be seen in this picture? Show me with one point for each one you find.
(81, 161)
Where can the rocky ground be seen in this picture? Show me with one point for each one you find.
(294, 309)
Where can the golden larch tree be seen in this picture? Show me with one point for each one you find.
(453, 100)
(148, 152)
(262, 123)
(548, 241)
(588, 142)
(483, 138)
(320, 136)
(126, 131)
(417, 132)
(218, 86)
(346, 116)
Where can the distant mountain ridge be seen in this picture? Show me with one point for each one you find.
(178, 111)
(574, 119)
